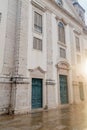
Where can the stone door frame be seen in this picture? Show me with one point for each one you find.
(38, 73)
(63, 68)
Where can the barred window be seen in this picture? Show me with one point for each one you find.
(38, 22)
(62, 53)
(37, 44)
(78, 59)
(77, 44)
(61, 31)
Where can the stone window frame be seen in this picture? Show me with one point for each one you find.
(78, 46)
(61, 40)
(38, 73)
(61, 52)
(77, 33)
(63, 68)
(40, 12)
(37, 34)
(39, 44)
(38, 23)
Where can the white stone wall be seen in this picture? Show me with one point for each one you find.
(18, 59)
(3, 23)
(5, 89)
(33, 55)
(36, 58)
(7, 43)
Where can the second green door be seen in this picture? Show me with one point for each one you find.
(63, 89)
(36, 93)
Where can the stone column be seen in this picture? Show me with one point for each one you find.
(7, 70)
(9, 39)
(50, 83)
(20, 87)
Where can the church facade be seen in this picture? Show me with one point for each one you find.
(43, 55)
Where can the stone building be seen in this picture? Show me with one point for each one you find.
(42, 55)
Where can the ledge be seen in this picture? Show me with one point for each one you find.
(20, 80)
(50, 82)
(14, 80)
(38, 5)
(5, 80)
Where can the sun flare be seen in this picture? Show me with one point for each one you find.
(84, 68)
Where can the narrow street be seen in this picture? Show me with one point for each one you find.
(70, 118)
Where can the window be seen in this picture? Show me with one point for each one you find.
(38, 22)
(61, 31)
(62, 53)
(77, 44)
(37, 44)
(78, 59)
(59, 2)
(81, 91)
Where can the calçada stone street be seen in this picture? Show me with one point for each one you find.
(73, 117)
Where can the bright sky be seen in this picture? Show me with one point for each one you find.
(83, 3)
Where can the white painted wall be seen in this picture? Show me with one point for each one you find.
(55, 55)
(36, 58)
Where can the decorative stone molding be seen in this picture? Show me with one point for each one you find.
(63, 10)
(5, 80)
(77, 31)
(12, 80)
(20, 80)
(62, 44)
(38, 68)
(37, 73)
(59, 2)
(50, 82)
(64, 21)
(63, 65)
(39, 5)
(75, 83)
(59, 18)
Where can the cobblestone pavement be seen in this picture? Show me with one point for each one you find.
(70, 118)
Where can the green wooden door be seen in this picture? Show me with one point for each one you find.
(36, 93)
(63, 89)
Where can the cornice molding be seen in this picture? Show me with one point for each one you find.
(50, 82)
(63, 65)
(38, 68)
(77, 31)
(65, 12)
(39, 5)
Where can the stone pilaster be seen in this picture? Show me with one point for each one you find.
(20, 87)
(50, 83)
(49, 46)
(21, 38)
(8, 60)
(9, 38)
